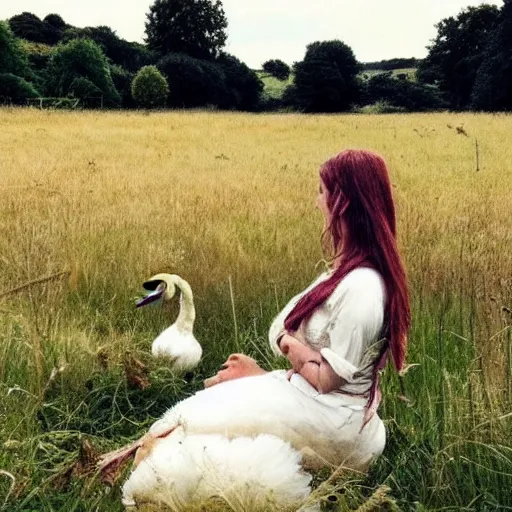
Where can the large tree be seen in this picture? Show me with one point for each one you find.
(77, 60)
(458, 51)
(14, 68)
(493, 85)
(326, 80)
(13, 58)
(28, 26)
(244, 86)
(194, 27)
(131, 56)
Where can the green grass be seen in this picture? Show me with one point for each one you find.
(273, 88)
(113, 198)
(446, 449)
(410, 72)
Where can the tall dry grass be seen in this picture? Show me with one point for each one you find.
(227, 201)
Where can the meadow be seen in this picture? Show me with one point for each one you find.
(92, 204)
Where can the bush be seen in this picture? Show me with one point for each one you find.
(38, 54)
(80, 58)
(411, 96)
(56, 103)
(277, 68)
(381, 107)
(83, 88)
(243, 85)
(16, 88)
(391, 64)
(123, 79)
(194, 83)
(150, 88)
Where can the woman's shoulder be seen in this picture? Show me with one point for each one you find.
(362, 283)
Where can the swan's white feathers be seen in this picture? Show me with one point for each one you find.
(251, 473)
(179, 346)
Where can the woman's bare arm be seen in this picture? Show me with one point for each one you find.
(310, 364)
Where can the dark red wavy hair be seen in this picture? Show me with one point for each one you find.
(362, 232)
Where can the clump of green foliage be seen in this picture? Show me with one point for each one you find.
(150, 88)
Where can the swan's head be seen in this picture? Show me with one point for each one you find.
(160, 286)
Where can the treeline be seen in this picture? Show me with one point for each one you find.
(391, 64)
(184, 45)
(183, 64)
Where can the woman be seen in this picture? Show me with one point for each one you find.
(336, 334)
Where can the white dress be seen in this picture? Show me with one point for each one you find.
(324, 427)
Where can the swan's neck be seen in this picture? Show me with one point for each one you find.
(187, 315)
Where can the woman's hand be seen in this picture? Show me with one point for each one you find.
(236, 367)
(309, 364)
(298, 353)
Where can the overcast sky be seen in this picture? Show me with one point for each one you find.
(263, 29)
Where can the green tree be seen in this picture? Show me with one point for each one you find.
(131, 56)
(277, 68)
(150, 88)
(38, 54)
(193, 82)
(83, 88)
(123, 79)
(13, 58)
(326, 80)
(493, 85)
(28, 26)
(458, 51)
(244, 86)
(194, 27)
(16, 88)
(403, 93)
(55, 21)
(80, 58)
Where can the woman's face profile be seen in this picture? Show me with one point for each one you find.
(321, 202)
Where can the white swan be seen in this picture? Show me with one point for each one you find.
(176, 343)
(248, 441)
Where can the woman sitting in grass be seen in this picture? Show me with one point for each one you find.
(336, 335)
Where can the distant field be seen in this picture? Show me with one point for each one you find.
(274, 88)
(98, 202)
(410, 72)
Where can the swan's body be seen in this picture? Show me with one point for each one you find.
(196, 468)
(277, 424)
(179, 347)
(177, 343)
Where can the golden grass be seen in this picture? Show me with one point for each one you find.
(227, 201)
(115, 197)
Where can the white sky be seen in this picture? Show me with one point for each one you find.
(263, 29)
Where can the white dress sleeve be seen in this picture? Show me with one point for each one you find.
(355, 321)
(278, 323)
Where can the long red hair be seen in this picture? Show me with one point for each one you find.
(362, 232)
